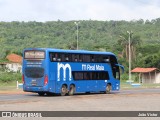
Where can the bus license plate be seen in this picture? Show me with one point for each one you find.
(34, 82)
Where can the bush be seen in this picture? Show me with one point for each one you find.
(124, 77)
(6, 77)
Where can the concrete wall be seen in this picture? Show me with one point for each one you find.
(158, 78)
(151, 77)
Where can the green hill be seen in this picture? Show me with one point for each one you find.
(93, 35)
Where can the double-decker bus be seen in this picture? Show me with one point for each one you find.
(47, 71)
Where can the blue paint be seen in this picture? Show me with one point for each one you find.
(59, 73)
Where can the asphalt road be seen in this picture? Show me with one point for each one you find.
(35, 96)
(124, 100)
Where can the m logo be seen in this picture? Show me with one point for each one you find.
(64, 67)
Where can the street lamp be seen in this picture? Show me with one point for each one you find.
(76, 23)
(129, 39)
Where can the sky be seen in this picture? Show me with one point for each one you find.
(67, 10)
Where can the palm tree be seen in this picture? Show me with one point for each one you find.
(124, 42)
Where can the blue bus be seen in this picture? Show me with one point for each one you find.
(49, 71)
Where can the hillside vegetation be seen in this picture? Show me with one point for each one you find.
(93, 35)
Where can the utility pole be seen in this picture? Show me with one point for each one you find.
(129, 39)
(76, 23)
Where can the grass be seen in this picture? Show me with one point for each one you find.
(11, 86)
(129, 86)
(8, 80)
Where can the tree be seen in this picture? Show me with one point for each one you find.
(151, 60)
(124, 42)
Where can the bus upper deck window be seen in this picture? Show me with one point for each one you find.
(59, 59)
(80, 58)
(92, 58)
(67, 59)
(76, 60)
(54, 59)
(106, 60)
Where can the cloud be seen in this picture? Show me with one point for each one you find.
(50, 10)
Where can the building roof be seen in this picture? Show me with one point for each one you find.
(14, 58)
(143, 70)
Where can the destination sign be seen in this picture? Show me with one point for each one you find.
(34, 54)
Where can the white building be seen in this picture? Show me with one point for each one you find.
(14, 63)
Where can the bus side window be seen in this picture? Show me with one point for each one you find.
(77, 58)
(94, 76)
(90, 75)
(66, 57)
(86, 58)
(78, 75)
(86, 76)
(55, 55)
(59, 57)
(73, 57)
(92, 58)
(106, 58)
(101, 58)
(80, 58)
(98, 58)
(51, 56)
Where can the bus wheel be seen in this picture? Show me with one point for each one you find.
(41, 93)
(63, 90)
(108, 89)
(71, 90)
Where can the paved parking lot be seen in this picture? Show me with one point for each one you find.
(125, 100)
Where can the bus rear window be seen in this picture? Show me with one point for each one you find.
(34, 54)
(34, 72)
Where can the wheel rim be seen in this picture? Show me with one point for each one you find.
(72, 90)
(63, 90)
(108, 88)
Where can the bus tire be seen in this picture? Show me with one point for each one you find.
(41, 93)
(63, 90)
(108, 88)
(71, 90)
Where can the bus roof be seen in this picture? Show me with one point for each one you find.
(71, 51)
